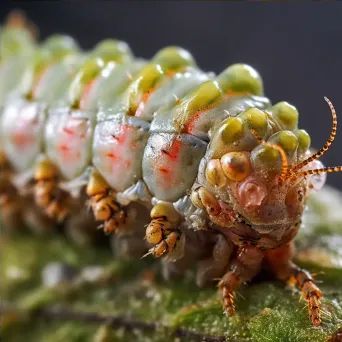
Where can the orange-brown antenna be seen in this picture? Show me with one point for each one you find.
(326, 146)
(256, 135)
(317, 171)
(284, 163)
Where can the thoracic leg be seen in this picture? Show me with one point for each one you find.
(162, 230)
(281, 264)
(214, 266)
(103, 203)
(244, 267)
(46, 192)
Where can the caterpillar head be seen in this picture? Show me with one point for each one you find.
(258, 169)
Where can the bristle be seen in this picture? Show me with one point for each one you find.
(325, 148)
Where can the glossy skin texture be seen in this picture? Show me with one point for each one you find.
(207, 154)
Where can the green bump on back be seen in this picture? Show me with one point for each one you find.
(255, 119)
(60, 45)
(286, 114)
(304, 140)
(173, 58)
(15, 41)
(206, 96)
(89, 71)
(286, 140)
(231, 130)
(241, 78)
(112, 50)
(146, 81)
(148, 78)
(53, 49)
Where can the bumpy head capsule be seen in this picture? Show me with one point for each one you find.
(241, 78)
(286, 115)
(236, 165)
(173, 58)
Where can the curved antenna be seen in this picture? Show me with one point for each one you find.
(317, 171)
(284, 163)
(325, 148)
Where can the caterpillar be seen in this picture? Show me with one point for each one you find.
(217, 174)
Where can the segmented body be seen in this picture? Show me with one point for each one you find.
(204, 152)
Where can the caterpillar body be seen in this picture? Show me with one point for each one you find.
(223, 172)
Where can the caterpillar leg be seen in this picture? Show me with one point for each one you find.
(213, 267)
(10, 213)
(103, 203)
(244, 267)
(163, 229)
(281, 264)
(47, 195)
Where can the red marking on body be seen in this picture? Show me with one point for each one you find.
(169, 164)
(128, 163)
(163, 169)
(112, 155)
(21, 140)
(68, 155)
(68, 131)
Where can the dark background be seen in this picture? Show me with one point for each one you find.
(296, 47)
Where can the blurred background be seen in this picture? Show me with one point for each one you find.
(296, 47)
